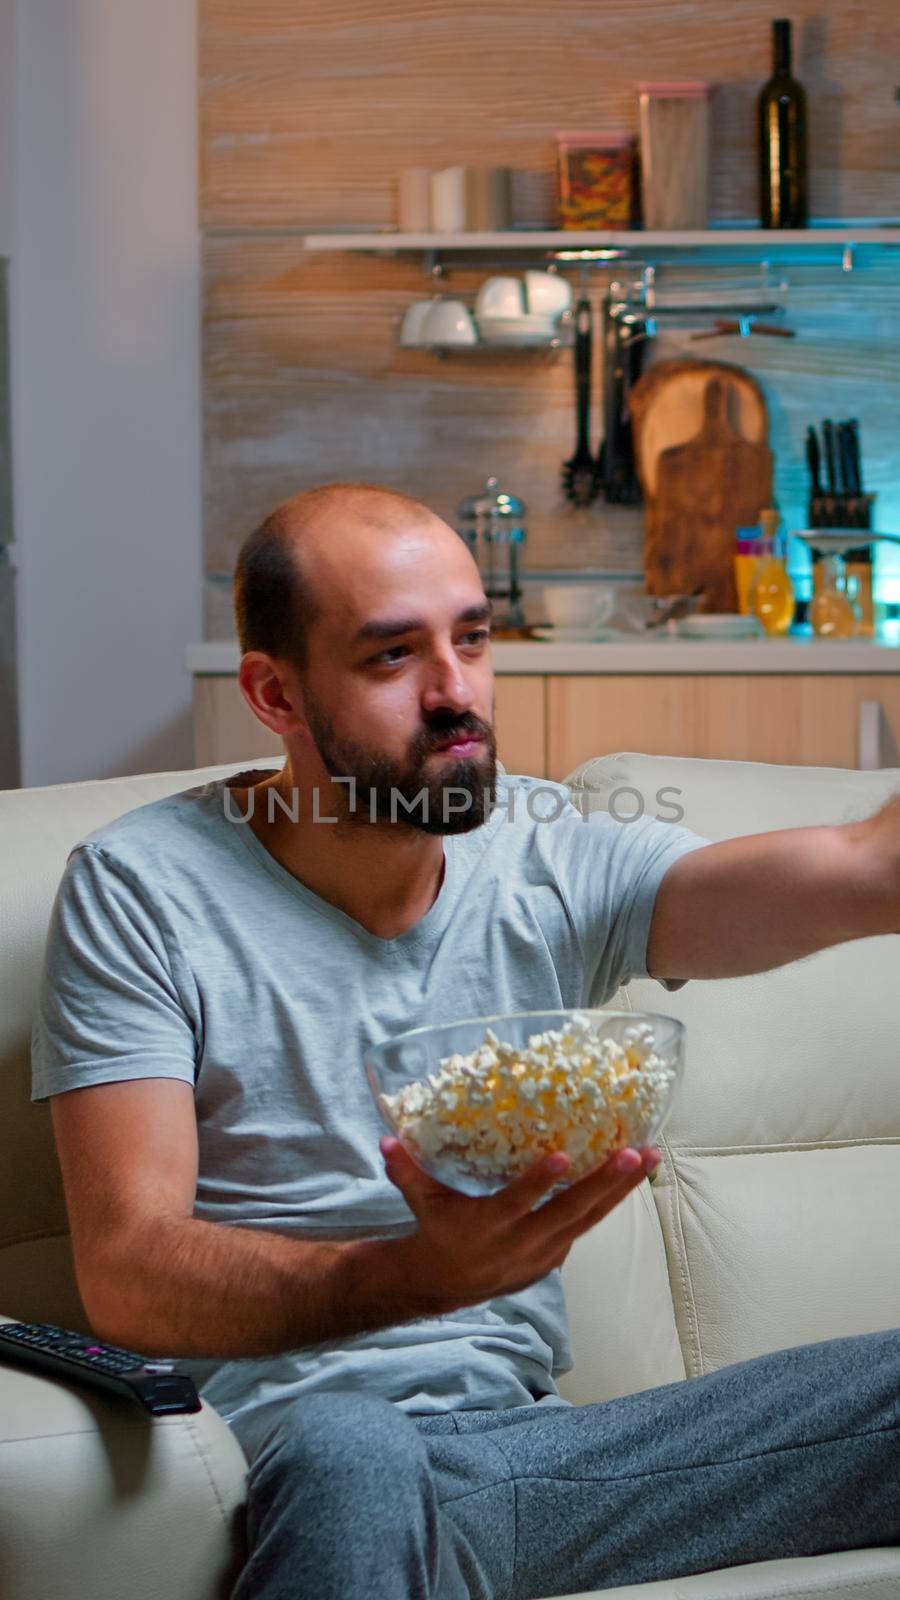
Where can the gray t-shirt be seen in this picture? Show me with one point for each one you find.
(179, 947)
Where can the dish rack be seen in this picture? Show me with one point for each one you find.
(635, 312)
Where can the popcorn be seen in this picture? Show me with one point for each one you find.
(491, 1114)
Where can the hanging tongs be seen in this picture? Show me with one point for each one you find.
(745, 326)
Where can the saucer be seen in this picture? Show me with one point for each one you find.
(720, 625)
(574, 635)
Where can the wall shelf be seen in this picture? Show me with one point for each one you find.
(811, 245)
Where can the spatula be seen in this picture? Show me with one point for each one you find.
(580, 477)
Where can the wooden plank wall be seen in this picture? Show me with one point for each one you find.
(307, 113)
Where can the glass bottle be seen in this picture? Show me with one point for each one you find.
(860, 566)
(771, 595)
(782, 140)
(748, 549)
(832, 612)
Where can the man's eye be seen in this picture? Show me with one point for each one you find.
(383, 657)
(383, 654)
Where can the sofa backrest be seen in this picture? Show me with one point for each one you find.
(772, 1221)
(38, 828)
(774, 1209)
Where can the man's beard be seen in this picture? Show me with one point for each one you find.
(458, 794)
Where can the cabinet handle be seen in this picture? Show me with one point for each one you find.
(869, 736)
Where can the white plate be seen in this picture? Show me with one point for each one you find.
(722, 626)
(835, 541)
(520, 336)
(575, 635)
(529, 318)
(526, 324)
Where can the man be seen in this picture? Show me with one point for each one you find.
(384, 1348)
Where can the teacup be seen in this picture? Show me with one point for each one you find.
(547, 292)
(500, 297)
(578, 605)
(449, 322)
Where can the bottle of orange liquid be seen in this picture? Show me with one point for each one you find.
(746, 558)
(771, 594)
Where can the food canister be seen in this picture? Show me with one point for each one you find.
(597, 178)
(674, 124)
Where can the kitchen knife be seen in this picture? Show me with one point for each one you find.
(853, 435)
(845, 458)
(813, 461)
(828, 436)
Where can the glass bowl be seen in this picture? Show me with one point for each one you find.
(600, 1080)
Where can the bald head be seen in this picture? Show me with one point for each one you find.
(320, 556)
(318, 511)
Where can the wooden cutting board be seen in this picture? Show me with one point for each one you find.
(667, 407)
(705, 490)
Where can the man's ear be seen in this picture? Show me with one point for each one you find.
(274, 700)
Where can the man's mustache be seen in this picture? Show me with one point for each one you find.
(455, 732)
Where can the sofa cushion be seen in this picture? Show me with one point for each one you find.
(38, 828)
(782, 1152)
(844, 1575)
(101, 1500)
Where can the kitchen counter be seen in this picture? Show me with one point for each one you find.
(794, 700)
(632, 654)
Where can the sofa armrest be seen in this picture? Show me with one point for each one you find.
(99, 1498)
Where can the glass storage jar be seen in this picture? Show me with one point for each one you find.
(674, 124)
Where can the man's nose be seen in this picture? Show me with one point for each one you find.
(447, 683)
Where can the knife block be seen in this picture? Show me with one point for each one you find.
(841, 510)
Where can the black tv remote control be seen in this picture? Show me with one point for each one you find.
(155, 1384)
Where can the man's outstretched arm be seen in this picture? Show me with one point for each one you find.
(750, 904)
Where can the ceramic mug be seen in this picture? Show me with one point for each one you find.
(414, 200)
(448, 200)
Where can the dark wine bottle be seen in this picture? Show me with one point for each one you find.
(782, 140)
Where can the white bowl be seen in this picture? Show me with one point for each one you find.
(449, 322)
(414, 322)
(547, 292)
(581, 605)
(500, 297)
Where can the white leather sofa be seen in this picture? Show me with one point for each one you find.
(772, 1222)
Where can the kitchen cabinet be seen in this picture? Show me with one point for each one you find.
(819, 720)
(547, 723)
(225, 728)
(521, 723)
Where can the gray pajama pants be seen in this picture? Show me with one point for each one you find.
(794, 1453)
